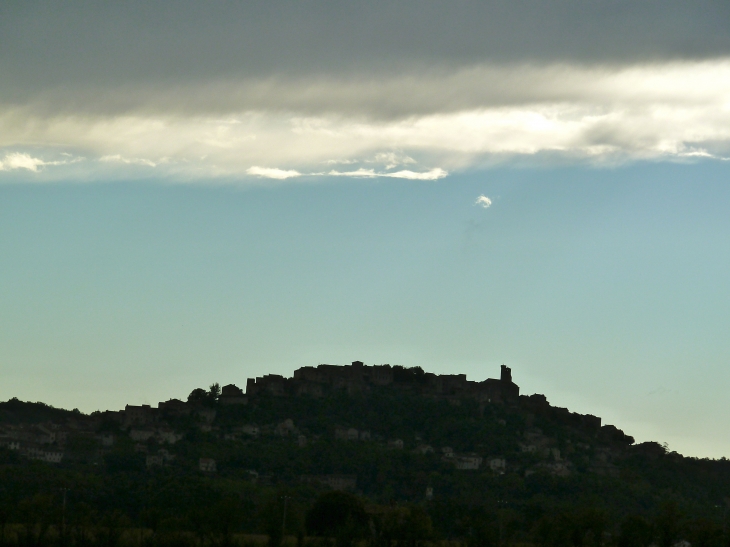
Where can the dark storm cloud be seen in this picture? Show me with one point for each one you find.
(43, 44)
(281, 89)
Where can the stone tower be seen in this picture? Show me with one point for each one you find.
(506, 375)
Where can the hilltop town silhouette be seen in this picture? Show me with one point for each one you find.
(171, 421)
(400, 439)
(358, 377)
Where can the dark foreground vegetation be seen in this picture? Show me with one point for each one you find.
(388, 468)
(341, 519)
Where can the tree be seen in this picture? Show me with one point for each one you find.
(80, 520)
(635, 531)
(214, 391)
(703, 532)
(222, 520)
(588, 528)
(6, 512)
(200, 396)
(279, 516)
(228, 518)
(338, 514)
(668, 524)
(408, 525)
(113, 524)
(36, 515)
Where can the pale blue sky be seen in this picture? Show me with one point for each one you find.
(202, 192)
(604, 288)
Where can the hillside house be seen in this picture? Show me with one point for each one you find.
(168, 436)
(468, 462)
(335, 481)
(207, 465)
(250, 429)
(52, 456)
(166, 455)
(106, 439)
(45, 435)
(498, 465)
(232, 395)
(10, 444)
(174, 408)
(138, 415)
(556, 469)
(346, 434)
(154, 460)
(396, 443)
(285, 428)
(39, 452)
(341, 482)
(141, 435)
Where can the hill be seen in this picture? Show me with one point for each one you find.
(470, 460)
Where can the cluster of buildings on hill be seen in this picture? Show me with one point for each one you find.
(83, 437)
(358, 377)
(327, 379)
(149, 428)
(47, 441)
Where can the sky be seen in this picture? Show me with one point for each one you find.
(205, 192)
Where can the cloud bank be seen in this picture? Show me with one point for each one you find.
(184, 94)
(107, 45)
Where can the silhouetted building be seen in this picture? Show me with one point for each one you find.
(232, 395)
(138, 415)
(358, 377)
(175, 408)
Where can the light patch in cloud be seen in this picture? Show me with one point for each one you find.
(339, 162)
(393, 159)
(21, 160)
(432, 174)
(358, 173)
(117, 158)
(272, 173)
(389, 160)
(483, 201)
(18, 160)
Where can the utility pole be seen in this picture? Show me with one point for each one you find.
(63, 516)
(500, 503)
(3, 509)
(283, 522)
